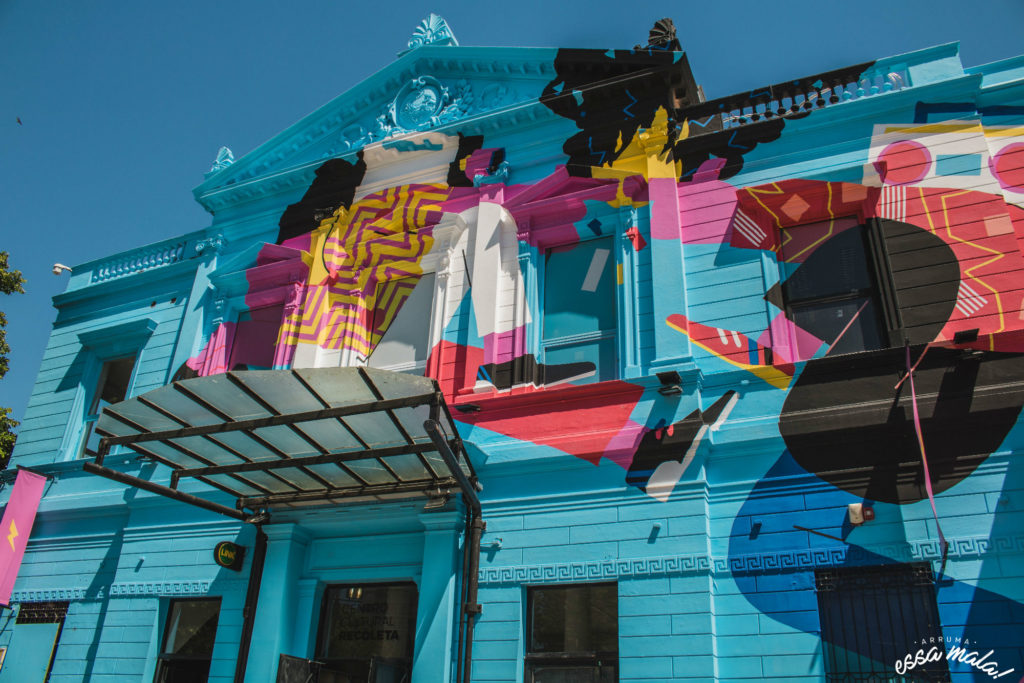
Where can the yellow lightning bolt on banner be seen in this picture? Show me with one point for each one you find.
(20, 512)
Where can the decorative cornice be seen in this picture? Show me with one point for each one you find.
(116, 590)
(253, 185)
(764, 563)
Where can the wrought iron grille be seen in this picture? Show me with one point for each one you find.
(42, 612)
(871, 617)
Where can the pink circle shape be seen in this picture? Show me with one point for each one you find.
(1008, 167)
(904, 162)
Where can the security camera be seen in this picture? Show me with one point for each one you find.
(59, 267)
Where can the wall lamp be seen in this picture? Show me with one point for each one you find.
(670, 383)
(966, 336)
(59, 268)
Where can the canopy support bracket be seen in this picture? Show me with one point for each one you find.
(159, 489)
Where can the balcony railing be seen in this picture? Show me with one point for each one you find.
(794, 97)
(145, 258)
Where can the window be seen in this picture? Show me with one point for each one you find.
(832, 290)
(111, 355)
(255, 340)
(873, 616)
(572, 634)
(401, 324)
(112, 387)
(33, 647)
(580, 319)
(367, 633)
(188, 641)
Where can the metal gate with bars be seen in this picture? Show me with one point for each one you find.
(873, 616)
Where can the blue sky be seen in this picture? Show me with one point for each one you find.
(124, 105)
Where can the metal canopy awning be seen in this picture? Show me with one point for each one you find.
(289, 438)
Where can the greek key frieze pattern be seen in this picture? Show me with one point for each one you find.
(116, 590)
(160, 588)
(48, 595)
(783, 561)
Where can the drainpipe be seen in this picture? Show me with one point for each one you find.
(471, 608)
(471, 562)
(463, 588)
(252, 596)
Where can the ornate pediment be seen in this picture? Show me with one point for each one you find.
(431, 88)
(424, 103)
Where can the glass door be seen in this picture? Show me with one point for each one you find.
(367, 633)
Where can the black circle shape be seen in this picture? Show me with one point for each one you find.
(843, 419)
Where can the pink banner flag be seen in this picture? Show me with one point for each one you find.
(16, 527)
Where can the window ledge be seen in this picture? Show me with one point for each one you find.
(134, 332)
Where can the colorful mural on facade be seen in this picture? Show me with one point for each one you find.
(654, 283)
(939, 205)
(964, 238)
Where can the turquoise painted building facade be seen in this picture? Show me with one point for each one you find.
(674, 336)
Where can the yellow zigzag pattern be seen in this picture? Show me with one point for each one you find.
(376, 240)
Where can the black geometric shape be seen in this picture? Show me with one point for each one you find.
(632, 81)
(844, 421)
(926, 277)
(467, 145)
(731, 145)
(334, 186)
(184, 372)
(917, 257)
(523, 370)
(774, 296)
(839, 264)
(665, 444)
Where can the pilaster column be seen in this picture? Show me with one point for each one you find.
(667, 271)
(305, 627)
(276, 612)
(284, 352)
(436, 613)
(487, 291)
(191, 331)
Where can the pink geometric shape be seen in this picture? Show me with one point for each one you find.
(904, 162)
(501, 346)
(1008, 167)
(622, 447)
(789, 343)
(706, 207)
(795, 207)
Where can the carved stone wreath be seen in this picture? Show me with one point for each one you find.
(418, 102)
(422, 104)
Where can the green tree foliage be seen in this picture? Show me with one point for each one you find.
(11, 281)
